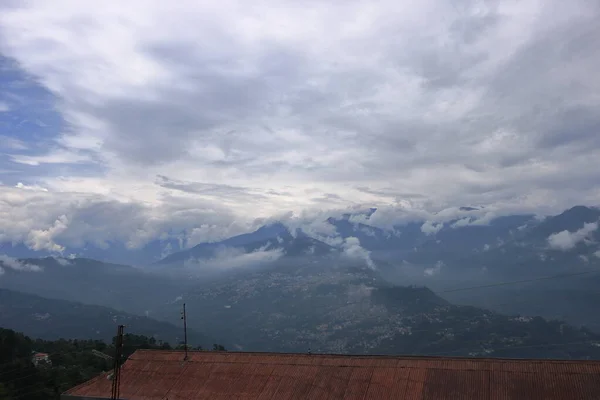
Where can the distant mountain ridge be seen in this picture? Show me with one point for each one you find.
(53, 319)
(453, 237)
(275, 237)
(91, 282)
(463, 234)
(329, 297)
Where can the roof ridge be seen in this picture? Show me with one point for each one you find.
(370, 356)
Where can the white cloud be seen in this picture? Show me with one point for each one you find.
(566, 240)
(597, 253)
(52, 220)
(20, 185)
(227, 258)
(17, 265)
(63, 261)
(352, 249)
(43, 239)
(4, 107)
(461, 223)
(431, 228)
(55, 157)
(168, 249)
(436, 269)
(252, 102)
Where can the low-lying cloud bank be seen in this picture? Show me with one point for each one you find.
(227, 258)
(566, 240)
(7, 262)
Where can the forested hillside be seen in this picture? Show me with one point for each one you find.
(71, 362)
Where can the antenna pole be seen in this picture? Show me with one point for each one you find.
(184, 318)
(117, 366)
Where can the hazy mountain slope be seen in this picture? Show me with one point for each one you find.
(344, 308)
(570, 220)
(93, 282)
(53, 319)
(113, 251)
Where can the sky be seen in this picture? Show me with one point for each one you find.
(128, 121)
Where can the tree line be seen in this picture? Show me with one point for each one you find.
(71, 362)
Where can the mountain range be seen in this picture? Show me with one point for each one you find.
(469, 231)
(52, 319)
(349, 289)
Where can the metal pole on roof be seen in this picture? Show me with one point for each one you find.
(116, 379)
(184, 318)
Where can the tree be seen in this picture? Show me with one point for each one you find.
(218, 347)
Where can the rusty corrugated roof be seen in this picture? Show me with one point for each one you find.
(159, 375)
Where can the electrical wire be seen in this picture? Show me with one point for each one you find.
(542, 278)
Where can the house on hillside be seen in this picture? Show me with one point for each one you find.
(41, 359)
(158, 374)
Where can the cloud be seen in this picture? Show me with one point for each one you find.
(435, 270)
(168, 249)
(17, 265)
(597, 253)
(251, 112)
(566, 240)
(55, 220)
(227, 258)
(10, 143)
(43, 239)
(56, 157)
(20, 185)
(63, 261)
(351, 248)
(431, 228)
(461, 223)
(207, 189)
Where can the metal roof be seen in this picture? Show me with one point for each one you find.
(161, 375)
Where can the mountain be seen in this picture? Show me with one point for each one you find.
(557, 246)
(91, 282)
(111, 252)
(274, 238)
(571, 220)
(460, 231)
(463, 238)
(278, 290)
(53, 319)
(329, 306)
